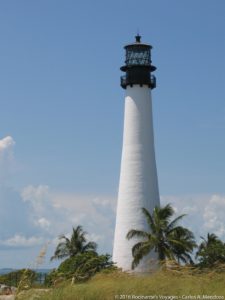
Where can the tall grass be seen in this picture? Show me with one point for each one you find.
(119, 285)
(26, 280)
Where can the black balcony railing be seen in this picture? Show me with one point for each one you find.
(153, 81)
(125, 81)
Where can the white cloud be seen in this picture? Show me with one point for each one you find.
(218, 200)
(52, 214)
(214, 215)
(105, 201)
(39, 214)
(32, 193)
(205, 213)
(43, 223)
(38, 200)
(56, 213)
(21, 241)
(95, 214)
(6, 156)
(6, 143)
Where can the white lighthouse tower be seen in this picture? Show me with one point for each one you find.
(138, 185)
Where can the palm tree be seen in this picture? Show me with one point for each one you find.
(211, 251)
(186, 243)
(76, 244)
(211, 239)
(167, 239)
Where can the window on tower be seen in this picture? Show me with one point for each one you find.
(138, 56)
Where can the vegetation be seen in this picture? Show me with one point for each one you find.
(83, 262)
(211, 251)
(85, 274)
(165, 237)
(73, 246)
(107, 286)
(16, 277)
(80, 268)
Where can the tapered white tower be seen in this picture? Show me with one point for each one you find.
(138, 185)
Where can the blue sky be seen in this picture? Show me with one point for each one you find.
(61, 115)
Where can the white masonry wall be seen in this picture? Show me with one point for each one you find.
(138, 177)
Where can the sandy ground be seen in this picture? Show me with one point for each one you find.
(9, 297)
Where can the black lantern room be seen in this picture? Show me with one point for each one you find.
(138, 66)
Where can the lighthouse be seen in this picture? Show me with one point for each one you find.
(138, 186)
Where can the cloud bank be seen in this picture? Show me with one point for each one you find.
(205, 213)
(36, 215)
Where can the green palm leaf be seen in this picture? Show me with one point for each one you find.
(167, 239)
(137, 233)
(69, 247)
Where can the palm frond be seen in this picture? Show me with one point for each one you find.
(174, 222)
(137, 233)
(141, 251)
(149, 218)
(165, 212)
(167, 238)
(136, 248)
(168, 253)
(90, 246)
(74, 245)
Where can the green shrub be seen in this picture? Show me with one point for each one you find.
(15, 277)
(80, 267)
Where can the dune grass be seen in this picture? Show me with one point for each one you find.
(124, 286)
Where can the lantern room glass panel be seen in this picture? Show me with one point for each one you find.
(137, 56)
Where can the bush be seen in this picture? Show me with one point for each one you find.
(211, 253)
(80, 267)
(15, 277)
